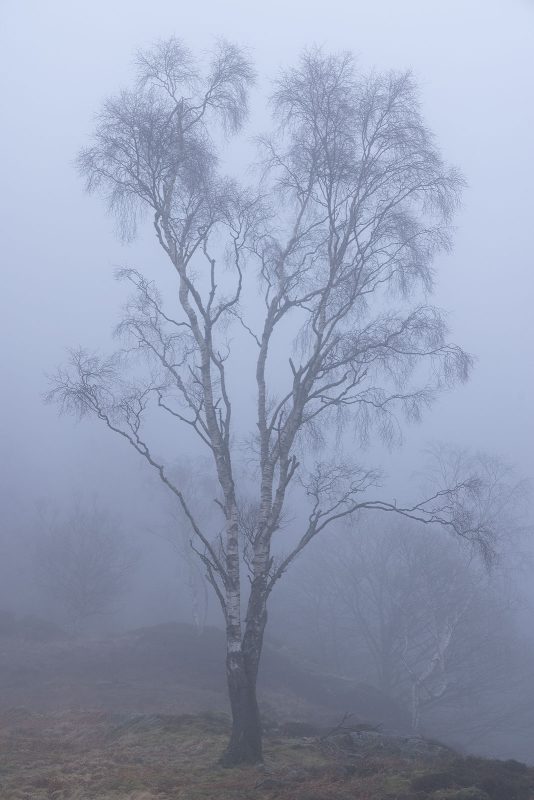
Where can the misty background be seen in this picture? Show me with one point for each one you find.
(473, 63)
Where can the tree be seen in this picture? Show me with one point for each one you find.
(415, 615)
(421, 616)
(83, 562)
(194, 482)
(337, 239)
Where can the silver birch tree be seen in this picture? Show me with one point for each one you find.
(337, 239)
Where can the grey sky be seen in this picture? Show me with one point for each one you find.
(474, 63)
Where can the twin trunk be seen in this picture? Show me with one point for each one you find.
(245, 745)
(242, 662)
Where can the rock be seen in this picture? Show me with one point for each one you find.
(296, 776)
(412, 746)
(299, 730)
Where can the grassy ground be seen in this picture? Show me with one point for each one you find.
(97, 755)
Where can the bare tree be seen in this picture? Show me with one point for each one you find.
(421, 616)
(194, 480)
(338, 239)
(83, 562)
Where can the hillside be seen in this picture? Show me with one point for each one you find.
(168, 669)
(142, 716)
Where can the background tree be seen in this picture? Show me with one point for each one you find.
(337, 240)
(420, 616)
(194, 478)
(415, 616)
(83, 562)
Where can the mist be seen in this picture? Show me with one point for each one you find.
(411, 612)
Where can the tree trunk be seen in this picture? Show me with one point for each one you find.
(242, 663)
(415, 707)
(245, 745)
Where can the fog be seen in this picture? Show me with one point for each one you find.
(473, 66)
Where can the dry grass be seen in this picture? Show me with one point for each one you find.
(82, 755)
(103, 756)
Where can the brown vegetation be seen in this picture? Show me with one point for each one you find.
(104, 756)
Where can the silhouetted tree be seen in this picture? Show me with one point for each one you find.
(83, 562)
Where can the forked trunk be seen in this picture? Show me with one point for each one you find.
(242, 663)
(245, 745)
